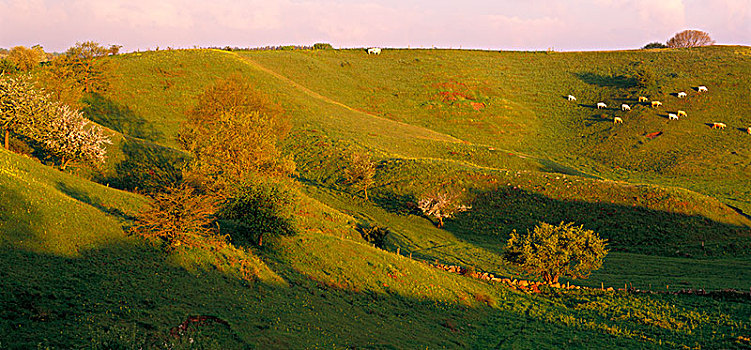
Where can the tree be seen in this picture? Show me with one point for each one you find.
(551, 251)
(259, 210)
(25, 58)
(233, 131)
(24, 110)
(690, 38)
(179, 216)
(77, 72)
(441, 205)
(655, 45)
(69, 136)
(360, 172)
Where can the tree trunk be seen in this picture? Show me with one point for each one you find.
(260, 239)
(7, 136)
(440, 222)
(65, 163)
(366, 192)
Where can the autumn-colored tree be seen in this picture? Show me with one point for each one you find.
(233, 131)
(178, 216)
(25, 58)
(551, 251)
(70, 136)
(690, 38)
(360, 172)
(441, 205)
(67, 77)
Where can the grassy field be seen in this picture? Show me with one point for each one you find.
(494, 125)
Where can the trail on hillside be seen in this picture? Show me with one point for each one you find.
(436, 136)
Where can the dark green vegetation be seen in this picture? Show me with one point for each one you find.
(495, 126)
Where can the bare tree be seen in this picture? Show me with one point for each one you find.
(690, 38)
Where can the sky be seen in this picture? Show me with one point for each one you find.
(566, 25)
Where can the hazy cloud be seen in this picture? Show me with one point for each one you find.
(500, 24)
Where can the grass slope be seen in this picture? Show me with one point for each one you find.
(484, 121)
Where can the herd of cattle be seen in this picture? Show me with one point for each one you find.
(656, 104)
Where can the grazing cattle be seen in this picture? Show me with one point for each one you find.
(681, 94)
(702, 88)
(601, 105)
(672, 116)
(625, 107)
(682, 114)
(749, 130)
(718, 126)
(643, 99)
(374, 51)
(617, 120)
(656, 104)
(571, 98)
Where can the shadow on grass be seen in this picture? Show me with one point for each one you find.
(121, 118)
(129, 295)
(85, 198)
(147, 167)
(628, 228)
(616, 81)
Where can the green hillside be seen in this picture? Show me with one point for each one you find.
(494, 124)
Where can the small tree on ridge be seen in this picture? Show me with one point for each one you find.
(690, 38)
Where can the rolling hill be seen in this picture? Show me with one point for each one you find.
(495, 124)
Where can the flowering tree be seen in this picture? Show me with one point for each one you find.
(22, 108)
(441, 205)
(70, 136)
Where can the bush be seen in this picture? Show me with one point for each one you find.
(179, 217)
(259, 210)
(374, 234)
(7, 66)
(643, 76)
(655, 45)
(322, 46)
(552, 251)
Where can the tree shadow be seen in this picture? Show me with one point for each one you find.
(628, 228)
(616, 81)
(147, 167)
(400, 204)
(85, 198)
(120, 118)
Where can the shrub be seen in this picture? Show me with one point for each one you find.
(7, 66)
(374, 234)
(259, 210)
(643, 76)
(179, 216)
(24, 58)
(551, 251)
(655, 45)
(441, 205)
(322, 46)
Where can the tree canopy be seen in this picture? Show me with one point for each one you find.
(690, 38)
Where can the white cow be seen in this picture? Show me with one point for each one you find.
(374, 51)
(656, 104)
(682, 114)
(719, 126)
(672, 116)
(617, 120)
(681, 94)
(571, 98)
(643, 99)
(702, 88)
(749, 130)
(625, 107)
(601, 105)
